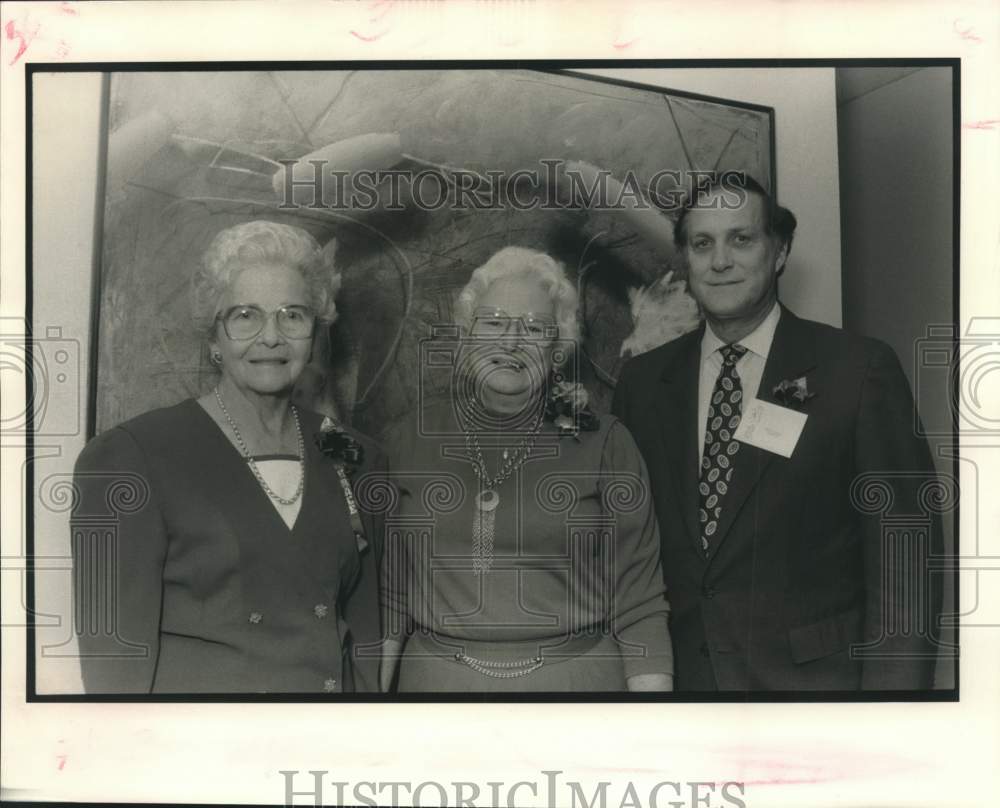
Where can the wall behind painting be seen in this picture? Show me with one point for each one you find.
(65, 132)
(896, 181)
(897, 216)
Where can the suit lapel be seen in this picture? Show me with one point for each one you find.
(792, 354)
(679, 428)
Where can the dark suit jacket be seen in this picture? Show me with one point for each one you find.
(187, 579)
(810, 557)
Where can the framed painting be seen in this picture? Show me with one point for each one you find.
(419, 176)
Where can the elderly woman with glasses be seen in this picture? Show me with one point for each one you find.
(523, 551)
(240, 561)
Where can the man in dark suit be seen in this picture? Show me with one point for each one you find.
(780, 572)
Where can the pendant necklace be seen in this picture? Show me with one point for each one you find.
(488, 498)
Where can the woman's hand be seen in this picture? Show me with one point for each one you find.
(650, 682)
(391, 650)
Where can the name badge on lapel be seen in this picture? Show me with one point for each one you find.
(770, 427)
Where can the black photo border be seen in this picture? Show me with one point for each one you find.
(562, 66)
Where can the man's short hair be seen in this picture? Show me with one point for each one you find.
(778, 221)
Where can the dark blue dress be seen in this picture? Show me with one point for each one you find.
(187, 580)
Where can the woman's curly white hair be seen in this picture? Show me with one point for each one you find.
(513, 262)
(260, 242)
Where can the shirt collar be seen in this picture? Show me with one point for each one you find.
(758, 341)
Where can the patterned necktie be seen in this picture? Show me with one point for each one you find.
(720, 447)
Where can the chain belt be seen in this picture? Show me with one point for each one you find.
(501, 670)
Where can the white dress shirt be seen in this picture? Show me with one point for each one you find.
(749, 368)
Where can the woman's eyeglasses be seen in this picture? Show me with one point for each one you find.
(489, 322)
(246, 322)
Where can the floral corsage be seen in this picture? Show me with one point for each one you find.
(340, 447)
(793, 392)
(567, 407)
(347, 454)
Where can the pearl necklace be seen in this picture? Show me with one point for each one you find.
(253, 466)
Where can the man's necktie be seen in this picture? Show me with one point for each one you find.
(720, 447)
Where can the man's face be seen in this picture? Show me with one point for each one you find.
(733, 261)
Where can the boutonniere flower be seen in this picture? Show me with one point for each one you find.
(335, 443)
(793, 392)
(567, 407)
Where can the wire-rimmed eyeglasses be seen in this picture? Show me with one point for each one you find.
(489, 322)
(247, 321)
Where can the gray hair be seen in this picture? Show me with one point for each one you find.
(264, 242)
(512, 262)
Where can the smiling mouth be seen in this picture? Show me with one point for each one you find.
(268, 361)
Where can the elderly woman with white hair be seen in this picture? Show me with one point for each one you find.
(242, 562)
(523, 553)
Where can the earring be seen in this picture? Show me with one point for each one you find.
(216, 358)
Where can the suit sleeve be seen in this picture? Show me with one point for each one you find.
(903, 600)
(119, 546)
(640, 604)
